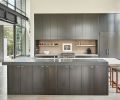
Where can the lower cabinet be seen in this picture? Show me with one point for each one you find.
(60, 79)
(19, 79)
(13, 77)
(94, 80)
(63, 79)
(76, 79)
(26, 79)
(44, 79)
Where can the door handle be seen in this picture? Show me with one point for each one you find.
(108, 51)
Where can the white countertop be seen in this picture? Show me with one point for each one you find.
(94, 55)
(111, 61)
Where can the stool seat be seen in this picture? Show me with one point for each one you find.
(116, 69)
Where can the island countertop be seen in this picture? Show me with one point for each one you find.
(111, 61)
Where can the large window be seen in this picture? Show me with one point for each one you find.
(20, 27)
(11, 4)
(20, 37)
(18, 5)
(9, 33)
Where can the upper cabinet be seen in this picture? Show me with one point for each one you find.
(38, 26)
(106, 22)
(53, 27)
(78, 34)
(90, 26)
(46, 27)
(61, 27)
(72, 26)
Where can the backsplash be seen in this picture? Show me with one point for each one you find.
(56, 46)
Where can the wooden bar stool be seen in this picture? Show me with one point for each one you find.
(110, 72)
(115, 84)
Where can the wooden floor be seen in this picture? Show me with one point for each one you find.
(112, 96)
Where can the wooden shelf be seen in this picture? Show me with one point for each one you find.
(86, 45)
(48, 45)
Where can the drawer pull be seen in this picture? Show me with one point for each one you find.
(92, 67)
(18, 66)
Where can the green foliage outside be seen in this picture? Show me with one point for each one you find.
(8, 33)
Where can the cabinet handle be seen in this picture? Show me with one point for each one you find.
(92, 67)
(66, 66)
(71, 67)
(18, 66)
(108, 51)
(42, 66)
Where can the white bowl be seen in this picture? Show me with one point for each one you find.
(46, 52)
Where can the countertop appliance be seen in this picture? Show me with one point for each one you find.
(67, 55)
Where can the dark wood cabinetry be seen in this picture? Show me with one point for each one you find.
(14, 77)
(26, 79)
(53, 27)
(63, 79)
(88, 81)
(91, 76)
(19, 79)
(90, 26)
(76, 79)
(59, 78)
(66, 26)
(44, 79)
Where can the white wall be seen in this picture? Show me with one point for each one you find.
(69, 6)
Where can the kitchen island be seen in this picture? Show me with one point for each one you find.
(57, 76)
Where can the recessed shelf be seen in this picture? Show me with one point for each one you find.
(48, 45)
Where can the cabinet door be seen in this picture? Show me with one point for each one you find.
(46, 27)
(90, 26)
(53, 25)
(79, 27)
(104, 45)
(51, 77)
(75, 79)
(26, 79)
(38, 27)
(88, 80)
(39, 80)
(61, 27)
(70, 26)
(44, 79)
(63, 79)
(101, 79)
(13, 75)
(103, 23)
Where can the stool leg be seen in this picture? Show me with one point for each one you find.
(116, 81)
(110, 75)
(112, 79)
